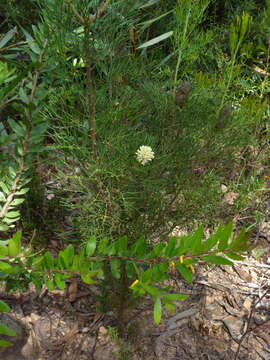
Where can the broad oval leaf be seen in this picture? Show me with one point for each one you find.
(5, 330)
(14, 244)
(217, 260)
(4, 343)
(4, 227)
(157, 310)
(4, 307)
(60, 283)
(185, 272)
(91, 246)
(224, 234)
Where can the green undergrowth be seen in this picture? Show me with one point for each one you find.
(122, 121)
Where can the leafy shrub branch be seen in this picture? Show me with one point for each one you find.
(136, 269)
(19, 141)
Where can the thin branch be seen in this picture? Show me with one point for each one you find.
(249, 329)
(13, 45)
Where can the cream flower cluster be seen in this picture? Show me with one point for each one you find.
(145, 154)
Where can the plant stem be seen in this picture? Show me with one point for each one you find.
(89, 86)
(267, 64)
(229, 79)
(122, 301)
(180, 52)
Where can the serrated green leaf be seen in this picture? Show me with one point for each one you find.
(157, 310)
(185, 272)
(5, 330)
(216, 259)
(4, 307)
(91, 246)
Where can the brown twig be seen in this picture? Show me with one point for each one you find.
(89, 86)
(14, 45)
(249, 329)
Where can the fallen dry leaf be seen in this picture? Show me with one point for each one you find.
(230, 197)
(260, 70)
(72, 291)
(224, 188)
